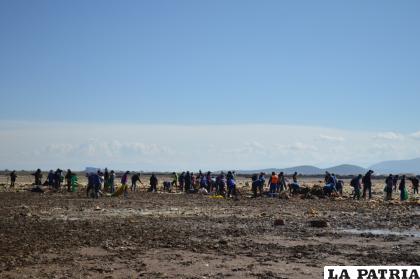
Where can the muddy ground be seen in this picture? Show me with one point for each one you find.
(161, 235)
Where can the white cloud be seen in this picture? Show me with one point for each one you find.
(246, 148)
(416, 135)
(389, 136)
(58, 148)
(112, 149)
(331, 138)
(214, 147)
(298, 146)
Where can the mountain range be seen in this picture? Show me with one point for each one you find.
(396, 167)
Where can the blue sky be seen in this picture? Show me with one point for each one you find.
(351, 65)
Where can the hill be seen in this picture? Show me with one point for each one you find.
(312, 170)
(347, 170)
(398, 166)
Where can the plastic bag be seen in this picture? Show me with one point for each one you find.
(405, 195)
(74, 183)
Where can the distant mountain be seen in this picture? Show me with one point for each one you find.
(311, 170)
(305, 170)
(398, 166)
(394, 167)
(346, 170)
(91, 169)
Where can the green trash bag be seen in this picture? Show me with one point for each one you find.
(74, 183)
(405, 195)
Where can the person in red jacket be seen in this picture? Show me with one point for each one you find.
(272, 183)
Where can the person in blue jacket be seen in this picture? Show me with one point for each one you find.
(330, 185)
(94, 183)
(203, 182)
(231, 183)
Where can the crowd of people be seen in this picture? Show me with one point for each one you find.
(223, 184)
(55, 179)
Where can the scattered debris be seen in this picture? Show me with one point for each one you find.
(279, 222)
(312, 212)
(284, 196)
(319, 223)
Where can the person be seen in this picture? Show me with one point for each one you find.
(92, 189)
(356, 184)
(327, 177)
(111, 181)
(331, 184)
(89, 184)
(95, 182)
(193, 180)
(415, 183)
(221, 184)
(367, 184)
(38, 177)
(187, 182)
(106, 180)
(98, 184)
(389, 185)
(209, 181)
(272, 183)
(124, 181)
(282, 182)
(231, 187)
(395, 182)
(294, 186)
(261, 178)
(13, 177)
(213, 184)
(203, 182)
(403, 190)
(57, 179)
(255, 185)
(167, 185)
(73, 182)
(334, 178)
(182, 181)
(175, 179)
(134, 179)
(258, 182)
(68, 176)
(340, 186)
(50, 178)
(230, 175)
(153, 183)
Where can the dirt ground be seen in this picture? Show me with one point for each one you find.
(162, 235)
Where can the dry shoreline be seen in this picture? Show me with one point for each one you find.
(65, 235)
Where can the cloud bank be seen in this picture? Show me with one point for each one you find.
(25, 145)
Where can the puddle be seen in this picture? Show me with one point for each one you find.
(384, 232)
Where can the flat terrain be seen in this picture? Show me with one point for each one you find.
(161, 235)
